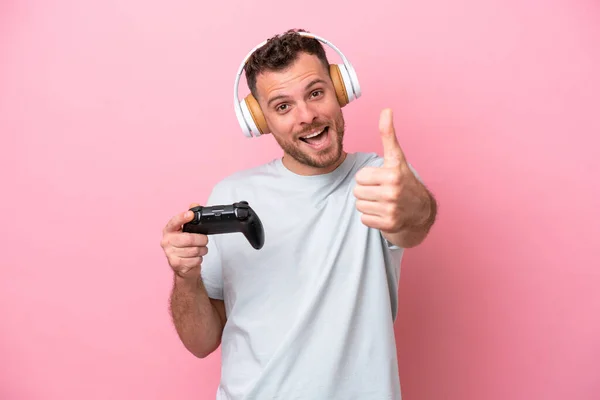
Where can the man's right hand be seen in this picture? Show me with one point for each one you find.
(184, 250)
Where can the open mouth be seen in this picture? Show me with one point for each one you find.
(316, 138)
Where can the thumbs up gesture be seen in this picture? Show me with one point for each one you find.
(390, 197)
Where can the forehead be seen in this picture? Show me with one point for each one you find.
(303, 70)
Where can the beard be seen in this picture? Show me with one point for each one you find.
(323, 158)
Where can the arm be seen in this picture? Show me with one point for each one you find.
(199, 320)
(391, 197)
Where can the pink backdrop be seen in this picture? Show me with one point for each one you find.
(115, 115)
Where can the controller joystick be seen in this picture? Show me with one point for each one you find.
(230, 218)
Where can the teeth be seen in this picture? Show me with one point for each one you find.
(313, 134)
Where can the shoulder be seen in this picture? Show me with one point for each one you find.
(247, 175)
(363, 159)
(375, 160)
(242, 180)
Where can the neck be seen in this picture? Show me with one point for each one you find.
(302, 169)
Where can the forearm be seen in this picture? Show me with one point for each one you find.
(413, 233)
(196, 320)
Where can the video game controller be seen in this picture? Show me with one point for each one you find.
(236, 217)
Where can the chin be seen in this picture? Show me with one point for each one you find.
(323, 157)
(328, 159)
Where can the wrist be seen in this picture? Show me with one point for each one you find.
(190, 279)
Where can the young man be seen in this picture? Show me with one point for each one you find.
(311, 314)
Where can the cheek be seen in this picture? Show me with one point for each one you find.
(281, 127)
(276, 122)
(332, 112)
(326, 109)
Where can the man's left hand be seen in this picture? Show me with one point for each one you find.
(390, 197)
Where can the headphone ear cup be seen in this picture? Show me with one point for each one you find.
(243, 116)
(254, 116)
(338, 84)
(348, 84)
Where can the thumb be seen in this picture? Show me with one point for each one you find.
(392, 152)
(189, 214)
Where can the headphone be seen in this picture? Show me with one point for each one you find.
(248, 112)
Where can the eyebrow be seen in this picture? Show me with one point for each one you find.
(311, 84)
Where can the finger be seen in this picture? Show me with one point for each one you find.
(376, 222)
(189, 252)
(392, 152)
(368, 193)
(382, 193)
(186, 239)
(177, 221)
(194, 205)
(374, 208)
(369, 176)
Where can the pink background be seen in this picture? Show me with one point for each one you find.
(115, 115)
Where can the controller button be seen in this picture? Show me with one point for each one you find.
(242, 213)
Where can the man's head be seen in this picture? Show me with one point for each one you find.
(289, 77)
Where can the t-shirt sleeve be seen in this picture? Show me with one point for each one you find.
(211, 269)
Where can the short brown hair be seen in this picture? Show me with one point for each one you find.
(279, 52)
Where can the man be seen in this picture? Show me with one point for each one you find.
(311, 314)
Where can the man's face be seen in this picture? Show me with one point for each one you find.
(302, 111)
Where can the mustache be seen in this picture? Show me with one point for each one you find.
(313, 126)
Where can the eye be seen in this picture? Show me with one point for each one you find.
(316, 93)
(280, 107)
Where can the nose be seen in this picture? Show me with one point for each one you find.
(306, 113)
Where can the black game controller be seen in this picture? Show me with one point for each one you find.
(236, 217)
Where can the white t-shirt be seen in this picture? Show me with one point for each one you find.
(310, 315)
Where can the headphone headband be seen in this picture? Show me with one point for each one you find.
(245, 116)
